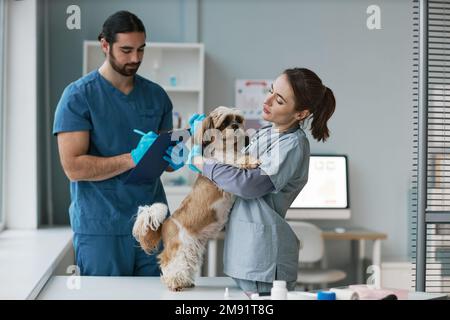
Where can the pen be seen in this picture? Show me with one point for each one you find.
(139, 132)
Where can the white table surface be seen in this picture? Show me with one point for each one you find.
(136, 288)
(28, 258)
(151, 288)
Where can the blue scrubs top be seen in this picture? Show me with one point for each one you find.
(259, 243)
(93, 104)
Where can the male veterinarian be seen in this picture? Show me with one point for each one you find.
(94, 123)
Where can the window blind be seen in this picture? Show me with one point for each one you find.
(431, 155)
(2, 107)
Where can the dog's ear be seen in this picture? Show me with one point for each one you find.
(217, 116)
(200, 137)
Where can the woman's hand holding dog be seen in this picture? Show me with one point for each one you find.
(195, 159)
(194, 121)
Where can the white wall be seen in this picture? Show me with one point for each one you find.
(21, 109)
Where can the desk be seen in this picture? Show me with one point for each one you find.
(357, 236)
(136, 288)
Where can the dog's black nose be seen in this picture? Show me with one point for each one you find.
(235, 126)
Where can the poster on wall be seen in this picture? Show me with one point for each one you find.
(249, 98)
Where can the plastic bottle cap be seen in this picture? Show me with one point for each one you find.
(326, 295)
(279, 283)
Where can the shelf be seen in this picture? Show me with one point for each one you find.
(179, 69)
(181, 89)
(160, 45)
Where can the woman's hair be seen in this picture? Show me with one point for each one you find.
(120, 22)
(310, 94)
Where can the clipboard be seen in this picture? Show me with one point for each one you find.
(152, 164)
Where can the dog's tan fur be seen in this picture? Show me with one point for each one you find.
(201, 215)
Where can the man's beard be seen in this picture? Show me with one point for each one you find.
(127, 70)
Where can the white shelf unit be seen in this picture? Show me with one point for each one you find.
(179, 69)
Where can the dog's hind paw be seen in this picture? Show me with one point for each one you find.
(180, 287)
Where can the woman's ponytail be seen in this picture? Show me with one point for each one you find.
(320, 115)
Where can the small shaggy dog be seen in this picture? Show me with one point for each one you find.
(203, 212)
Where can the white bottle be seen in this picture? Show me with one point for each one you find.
(279, 290)
(226, 295)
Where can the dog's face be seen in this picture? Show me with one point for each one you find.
(222, 131)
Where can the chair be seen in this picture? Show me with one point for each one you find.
(311, 253)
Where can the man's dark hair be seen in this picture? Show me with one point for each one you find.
(120, 22)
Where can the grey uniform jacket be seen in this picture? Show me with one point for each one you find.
(259, 243)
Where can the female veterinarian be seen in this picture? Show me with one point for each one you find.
(259, 245)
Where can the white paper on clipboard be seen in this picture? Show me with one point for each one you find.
(249, 98)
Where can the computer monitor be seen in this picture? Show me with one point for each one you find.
(325, 195)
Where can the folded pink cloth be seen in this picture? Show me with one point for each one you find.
(367, 293)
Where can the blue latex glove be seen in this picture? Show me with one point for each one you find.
(194, 121)
(143, 145)
(195, 151)
(176, 155)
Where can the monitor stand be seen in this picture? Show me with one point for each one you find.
(313, 214)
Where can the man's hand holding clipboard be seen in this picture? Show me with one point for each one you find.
(155, 153)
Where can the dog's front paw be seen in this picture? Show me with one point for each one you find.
(247, 162)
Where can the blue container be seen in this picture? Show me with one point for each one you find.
(326, 295)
